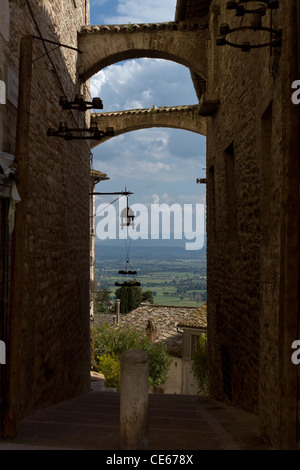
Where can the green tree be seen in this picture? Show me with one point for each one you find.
(130, 298)
(200, 365)
(147, 295)
(108, 343)
(101, 299)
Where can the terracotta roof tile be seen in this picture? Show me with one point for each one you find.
(166, 319)
(127, 28)
(153, 110)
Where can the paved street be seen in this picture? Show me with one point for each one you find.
(91, 422)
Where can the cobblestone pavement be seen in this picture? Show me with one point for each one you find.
(91, 422)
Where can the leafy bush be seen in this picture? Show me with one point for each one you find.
(110, 342)
(200, 366)
(110, 367)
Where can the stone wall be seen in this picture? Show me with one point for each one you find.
(50, 275)
(244, 164)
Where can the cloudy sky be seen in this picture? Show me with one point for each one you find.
(159, 165)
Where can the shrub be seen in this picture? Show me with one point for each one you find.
(110, 367)
(110, 342)
(200, 366)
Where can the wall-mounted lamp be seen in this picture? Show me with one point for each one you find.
(80, 104)
(256, 25)
(66, 133)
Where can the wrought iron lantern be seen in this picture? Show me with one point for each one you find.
(256, 25)
(127, 217)
(91, 133)
(80, 104)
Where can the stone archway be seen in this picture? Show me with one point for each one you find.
(183, 42)
(180, 117)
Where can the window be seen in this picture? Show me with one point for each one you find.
(190, 343)
(194, 345)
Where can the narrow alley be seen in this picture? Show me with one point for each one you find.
(91, 422)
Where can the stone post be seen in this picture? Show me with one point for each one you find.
(117, 310)
(134, 399)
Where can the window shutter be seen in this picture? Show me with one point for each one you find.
(186, 346)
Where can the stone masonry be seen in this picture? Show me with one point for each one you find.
(48, 341)
(182, 117)
(252, 180)
(252, 195)
(246, 192)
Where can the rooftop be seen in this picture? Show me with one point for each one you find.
(167, 320)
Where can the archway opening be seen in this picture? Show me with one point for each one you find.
(161, 166)
(143, 83)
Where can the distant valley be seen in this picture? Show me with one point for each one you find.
(174, 275)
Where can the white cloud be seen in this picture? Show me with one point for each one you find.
(155, 198)
(142, 83)
(136, 11)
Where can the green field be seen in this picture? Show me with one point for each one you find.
(173, 277)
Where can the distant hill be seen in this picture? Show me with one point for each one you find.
(138, 245)
(104, 250)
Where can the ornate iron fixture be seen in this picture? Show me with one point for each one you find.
(80, 104)
(128, 284)
(256, 25)
(127, 217)
(92, 133)
(241, 10)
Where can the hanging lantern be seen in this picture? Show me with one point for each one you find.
(127, 217)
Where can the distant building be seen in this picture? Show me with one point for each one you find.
(179, 328)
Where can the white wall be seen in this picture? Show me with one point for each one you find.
(181, 380)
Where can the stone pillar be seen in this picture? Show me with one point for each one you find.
(134, 399)
(117, 310)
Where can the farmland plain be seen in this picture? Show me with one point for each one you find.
(175, 276)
